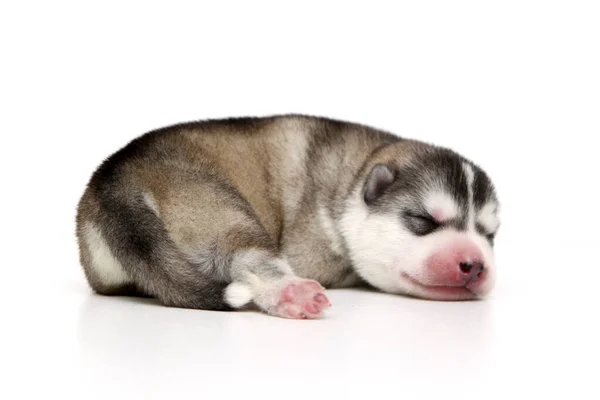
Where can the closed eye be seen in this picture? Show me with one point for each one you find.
(421, 224)
(484, 232)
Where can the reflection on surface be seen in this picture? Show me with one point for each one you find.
(366, 335)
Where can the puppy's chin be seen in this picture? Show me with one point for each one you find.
(435, 292)
(414, 287)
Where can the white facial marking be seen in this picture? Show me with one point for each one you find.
(107, 267)
(441, 206)
(328, 225)
(373, 241)
(487, 217)
(470, 179)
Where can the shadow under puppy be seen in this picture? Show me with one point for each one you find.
(217, 214)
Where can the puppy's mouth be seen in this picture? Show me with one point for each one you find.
(439, 292)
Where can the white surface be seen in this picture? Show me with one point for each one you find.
(513, 85)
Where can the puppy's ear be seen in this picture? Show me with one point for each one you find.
(380, 178)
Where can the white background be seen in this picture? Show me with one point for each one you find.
(513, 85)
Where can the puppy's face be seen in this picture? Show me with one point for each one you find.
(423, 223)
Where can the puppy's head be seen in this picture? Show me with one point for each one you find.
(422, 221)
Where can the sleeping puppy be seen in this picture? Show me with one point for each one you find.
(271, 211)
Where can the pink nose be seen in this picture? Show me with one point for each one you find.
(471, 270)
(458, 263)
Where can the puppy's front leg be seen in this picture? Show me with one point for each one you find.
(269, 281)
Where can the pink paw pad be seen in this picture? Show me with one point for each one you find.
(302, 299)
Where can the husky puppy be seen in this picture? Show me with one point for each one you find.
(219, 214)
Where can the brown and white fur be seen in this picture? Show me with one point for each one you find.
(222, 213)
